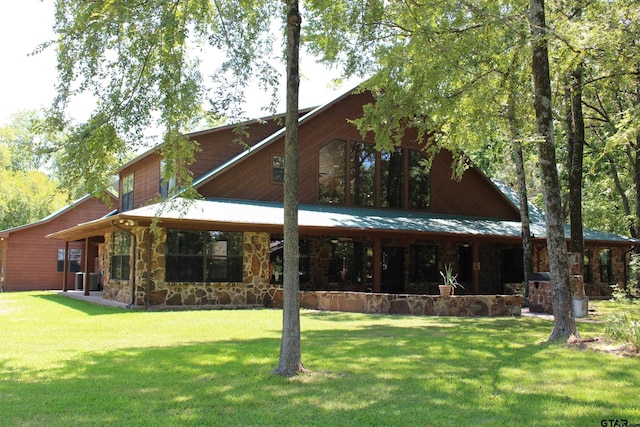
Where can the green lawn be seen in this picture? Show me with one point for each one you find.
(69, 363)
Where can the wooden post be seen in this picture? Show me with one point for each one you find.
(85, 276)
(65, 268)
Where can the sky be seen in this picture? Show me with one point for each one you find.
(27, 82)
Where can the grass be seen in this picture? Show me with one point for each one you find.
(67, 362)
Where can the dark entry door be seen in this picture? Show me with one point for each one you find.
(392, 269)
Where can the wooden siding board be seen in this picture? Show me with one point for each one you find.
(31, 258)
(473, 195)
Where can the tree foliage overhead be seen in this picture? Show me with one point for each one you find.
(142, 63)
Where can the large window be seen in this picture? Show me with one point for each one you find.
(120, 256)
(605, 266)
(74, 258)
(203, 256)
(362, 176)
(423, 262)
(127, 193)
(419, 181)
(332, 176)
(392, 178)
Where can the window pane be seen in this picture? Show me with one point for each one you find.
(60, 263)
(349, 262)
(127, 193)
(184, 269)
(331, 179)
(423, 263)
(391, 178)
(277, 169)
(363, 174)
(75, 260)
(419, 181)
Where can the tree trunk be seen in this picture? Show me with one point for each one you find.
(564, 324)
(527, 246)
(290, 353)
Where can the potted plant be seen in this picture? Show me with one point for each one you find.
(450, 281)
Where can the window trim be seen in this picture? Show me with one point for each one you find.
(71, 268)
(126, 199)
(205, 257)
(120, 268)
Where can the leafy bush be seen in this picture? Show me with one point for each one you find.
(621, 326)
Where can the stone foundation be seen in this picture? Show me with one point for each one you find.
(419, 305)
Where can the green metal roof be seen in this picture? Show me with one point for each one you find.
(341, 217)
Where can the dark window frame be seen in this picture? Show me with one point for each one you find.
(120, 256)
(277, 168)
(401, 177)
(127, 192)
(204, 256)
(74, 258)
(606, 266)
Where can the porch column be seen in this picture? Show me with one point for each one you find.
(85, 276)
(65, 267)
(377, 265)
(475, 250)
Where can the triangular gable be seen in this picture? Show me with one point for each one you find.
(267, 141)
(54, 215)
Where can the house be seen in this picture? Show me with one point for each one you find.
(30, 261)
(372, 221)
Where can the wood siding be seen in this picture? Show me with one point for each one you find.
(30, 259)
(214, 148)
(474, 195)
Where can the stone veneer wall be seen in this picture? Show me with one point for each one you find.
(114, 290)
(421, 305)
(254, 290)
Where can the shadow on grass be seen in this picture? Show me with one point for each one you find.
(86, 307)
(470, 374)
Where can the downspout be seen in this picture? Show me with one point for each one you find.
(133, 268)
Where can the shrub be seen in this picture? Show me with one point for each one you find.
(621, 326)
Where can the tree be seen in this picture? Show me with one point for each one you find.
(27, 194)
(451, 67)
(564, 324)
(290, 361)
(140, 62)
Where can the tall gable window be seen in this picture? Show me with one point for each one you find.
(127, 193)
(331, 171)
(120, 256)
(203, 256)
(166, 184)
(419, 181)
(362, 183)
(390, 179)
